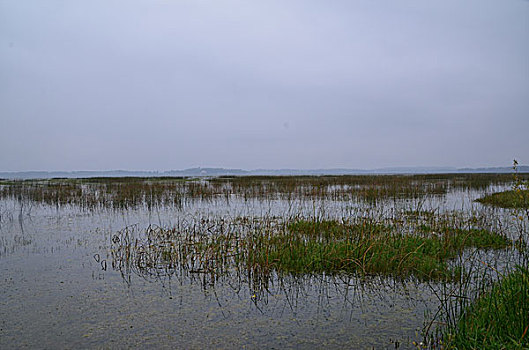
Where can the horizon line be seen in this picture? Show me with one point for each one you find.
(385, 168)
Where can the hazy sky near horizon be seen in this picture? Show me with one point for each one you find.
(159, 85)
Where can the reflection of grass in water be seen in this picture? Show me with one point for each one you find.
(498, 319)
(507, 199)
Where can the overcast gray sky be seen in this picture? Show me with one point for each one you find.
(159, 85)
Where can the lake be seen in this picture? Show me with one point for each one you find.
(100, 264)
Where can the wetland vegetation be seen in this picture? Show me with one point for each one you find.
(266, 236)
(508, 199)
(498, 319)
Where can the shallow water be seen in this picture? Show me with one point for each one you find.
(58, 288)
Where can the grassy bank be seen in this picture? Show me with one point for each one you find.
(499, 319)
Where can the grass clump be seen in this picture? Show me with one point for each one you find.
(499, 319)
(303, 246)
(457, 238)
(508, 199)
(367, 247)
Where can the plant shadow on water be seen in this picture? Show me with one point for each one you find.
(339, 261)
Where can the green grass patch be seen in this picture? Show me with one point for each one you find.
(366, 247)
(507, 199)
(499, 319)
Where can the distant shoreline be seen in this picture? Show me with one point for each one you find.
(198, 172)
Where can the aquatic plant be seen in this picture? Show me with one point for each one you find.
(516, 198)
(127, 192)
(498, 319)
(508, 199)
(490, 309)
(367, 247)
(301, 246)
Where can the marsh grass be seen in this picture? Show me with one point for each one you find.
(367, 247)
(127, 192)
(498, 319)
(184, 249)
(508, 199)
(488, 308)
(300, 246)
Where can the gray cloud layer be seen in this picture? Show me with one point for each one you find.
(262, 84)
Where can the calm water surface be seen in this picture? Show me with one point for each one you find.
(58, 288)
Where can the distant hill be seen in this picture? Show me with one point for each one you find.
(521, 169)
(201, 172)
